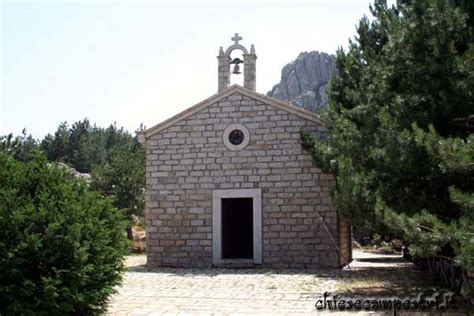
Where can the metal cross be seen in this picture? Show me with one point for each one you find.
(236, 38)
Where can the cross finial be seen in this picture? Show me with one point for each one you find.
(236, 38)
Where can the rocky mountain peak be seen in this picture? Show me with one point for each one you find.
(304, 81)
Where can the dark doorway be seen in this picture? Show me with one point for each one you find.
(237, 228)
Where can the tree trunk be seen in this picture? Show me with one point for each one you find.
(129, 233)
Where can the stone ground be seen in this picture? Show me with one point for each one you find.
(166, 291)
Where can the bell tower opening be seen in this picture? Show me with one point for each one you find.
(234, 62)
(236, 68)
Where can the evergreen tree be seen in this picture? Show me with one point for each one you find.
(56, 147)
(61, 244)
(112, 155)
(20, 147)
(400, 126)
(123, 178)
(84, 146)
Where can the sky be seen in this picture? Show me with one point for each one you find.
(134, 62)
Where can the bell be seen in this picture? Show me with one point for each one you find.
(236, 62)
(236, 69)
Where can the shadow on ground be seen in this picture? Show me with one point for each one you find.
(368, 274)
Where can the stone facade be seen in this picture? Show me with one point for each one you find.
(187, 161)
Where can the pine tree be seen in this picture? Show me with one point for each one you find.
(123, 178)
(400, 124)
(21, 147)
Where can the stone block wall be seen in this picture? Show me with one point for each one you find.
(223, 71)
(250, 71)
(188, 160)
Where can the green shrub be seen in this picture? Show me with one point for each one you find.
(61, 244)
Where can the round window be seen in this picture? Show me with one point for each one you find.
(236, 137)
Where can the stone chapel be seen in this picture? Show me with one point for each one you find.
(228, 183)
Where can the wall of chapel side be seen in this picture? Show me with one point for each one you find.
(188, 160)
